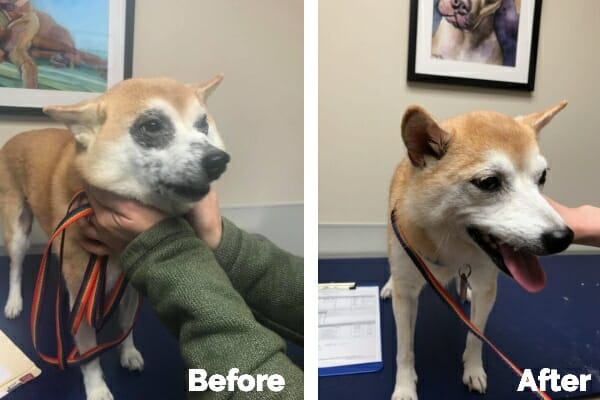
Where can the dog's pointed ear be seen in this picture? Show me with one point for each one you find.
(423, 136)
(204, 89)
(540, 119)
(83, 119)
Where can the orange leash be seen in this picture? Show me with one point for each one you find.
(89, 303)
(441, 291)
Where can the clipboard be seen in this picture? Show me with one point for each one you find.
(15, 368)
(349, 330)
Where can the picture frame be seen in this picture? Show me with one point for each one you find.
(78, 53)
(508, 29)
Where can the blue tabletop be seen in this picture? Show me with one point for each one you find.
(164, 376)
(556, 328)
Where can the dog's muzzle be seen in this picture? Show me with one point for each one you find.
(522, 263)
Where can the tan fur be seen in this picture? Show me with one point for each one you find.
(40, 171)
(38, 168)
(44, 168)
(123, 102)
(471, 136)
(443, 156)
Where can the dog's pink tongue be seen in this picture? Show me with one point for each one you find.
(525, 268)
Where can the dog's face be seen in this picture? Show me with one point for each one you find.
(467, 14)
(148, 139)
(480, 176)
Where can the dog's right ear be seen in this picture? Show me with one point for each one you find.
(423, 136)
(83, 119)
(540, 119)
(204, 89)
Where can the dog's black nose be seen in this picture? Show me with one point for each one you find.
(557, 240)
(214, 163)
(461, 7)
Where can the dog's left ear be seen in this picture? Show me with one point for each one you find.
(204, 89)
(540, 119)
(423, 136)
(83, 119)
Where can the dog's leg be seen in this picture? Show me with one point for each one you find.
(405, 300)
(130, 356)
(85, 338)
(93, 378)
(483, 298)
(405, 296)
(17, 219)
(21, 33)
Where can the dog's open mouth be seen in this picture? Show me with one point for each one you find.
(523, 266)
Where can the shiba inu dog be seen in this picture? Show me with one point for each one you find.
(147, 139)
(468, 194)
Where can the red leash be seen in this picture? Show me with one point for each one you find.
(89, 303)
(441, 291)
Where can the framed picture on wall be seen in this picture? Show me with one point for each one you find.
(486, 43)
(54, 52)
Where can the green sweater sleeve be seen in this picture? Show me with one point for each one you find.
(194, 299)
(271, 280)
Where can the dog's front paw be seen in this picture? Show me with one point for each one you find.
(406, 384)
(404, 393)
(132, 359)
(475, 378)
(100, 393)
(13, 307)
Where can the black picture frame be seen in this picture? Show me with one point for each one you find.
(125, 43)
(527, 78)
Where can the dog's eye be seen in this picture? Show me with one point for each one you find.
(488, 184)
(202, 125)
(152, 126)
(542, 179)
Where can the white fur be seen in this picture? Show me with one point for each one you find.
(133, 171)
(16, 250)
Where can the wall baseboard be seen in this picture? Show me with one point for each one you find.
(283, 224)
(370, 240)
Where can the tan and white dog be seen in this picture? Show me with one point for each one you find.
(466, 31)
(147, 139)
(468, 193)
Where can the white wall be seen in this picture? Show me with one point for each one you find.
(363, 93)
(259, 105)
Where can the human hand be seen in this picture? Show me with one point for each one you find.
(205, 218)
(583, 220)
(115, 223)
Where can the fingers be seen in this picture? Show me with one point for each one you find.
(117, 220)
(114, 210)
(205, 218)
(88, 229)
(102, 199)
(91, 239)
